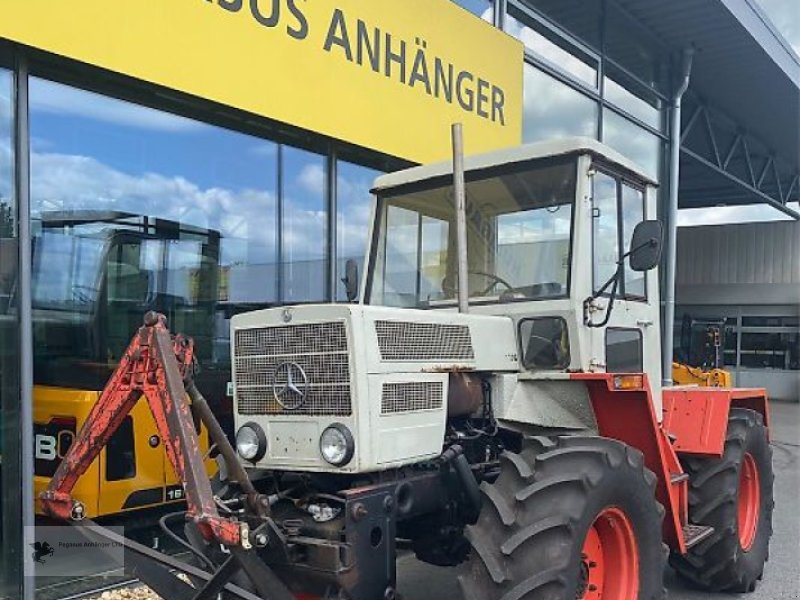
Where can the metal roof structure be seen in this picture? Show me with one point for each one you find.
(741, 117)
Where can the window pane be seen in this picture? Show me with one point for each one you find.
(304, 230)
(550, 47)
(518, 245)
(631, 45)
(483, 8)
(553, 109)
(581, 19)
(627, 100)
(354, 206)
(605, 228)
(771, 350)
(10, 476)
(632, 141)
(134, 210)
(632, 215)
(624, 351)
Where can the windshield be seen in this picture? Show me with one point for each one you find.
(518, 238)
(67, 271)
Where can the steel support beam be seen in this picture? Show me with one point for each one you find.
(767, 199)
(766, 184)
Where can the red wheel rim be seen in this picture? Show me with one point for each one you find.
(610, 559)
(749, 502)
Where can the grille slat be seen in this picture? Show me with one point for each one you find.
(401, 340)
(320, 349)
(411, 396)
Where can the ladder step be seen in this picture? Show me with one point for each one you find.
(678, 477)
(694, 534)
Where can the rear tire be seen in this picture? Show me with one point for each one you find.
(568, 518)
(732, 494)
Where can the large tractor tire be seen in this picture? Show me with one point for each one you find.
(569, 518)
(732, 494)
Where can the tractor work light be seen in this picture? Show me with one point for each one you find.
(251, 442)
(336, 444)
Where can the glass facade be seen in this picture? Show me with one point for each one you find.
(134, 209)
(10, 476)
(567, 48)
(553, 109)
(353, 211)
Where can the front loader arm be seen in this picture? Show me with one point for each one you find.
(154, 366)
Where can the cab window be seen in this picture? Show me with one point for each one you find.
(617, 207)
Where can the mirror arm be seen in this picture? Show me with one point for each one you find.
(587, 320)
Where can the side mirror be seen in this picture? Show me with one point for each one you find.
(350, 279)
(646, 245)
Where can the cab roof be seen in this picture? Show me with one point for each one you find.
(559, 147)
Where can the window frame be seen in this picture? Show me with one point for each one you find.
(521, 348)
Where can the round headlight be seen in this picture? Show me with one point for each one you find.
(336, 445)
(251, 442)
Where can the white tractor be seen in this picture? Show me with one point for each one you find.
(492, 402)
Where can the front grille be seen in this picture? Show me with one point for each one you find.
(319, 349)
(401, 340)
(411, 396)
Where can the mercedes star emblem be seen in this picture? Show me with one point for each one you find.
(290, 385)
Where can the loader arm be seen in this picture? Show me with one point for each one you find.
(154, 365)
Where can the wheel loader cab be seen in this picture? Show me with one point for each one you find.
(547, 225)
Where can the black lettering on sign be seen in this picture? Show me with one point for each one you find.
(384, 54)
(419, 72)
(337, 35)
(231, 5)
(443, 81)
(397, 58)
(371, 46)
(466, 96)
(498, 102)
(274, 14)
(268, 14)
(301, 31)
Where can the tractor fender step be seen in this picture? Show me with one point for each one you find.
(694, 534)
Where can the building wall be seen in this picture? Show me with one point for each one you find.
(747, 263)
(749, 275)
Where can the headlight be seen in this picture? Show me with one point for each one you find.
(251, 442)
(336, 445)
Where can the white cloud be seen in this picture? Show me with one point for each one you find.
(312, 178)
(720, 215)
(54, 98)
(245, 217)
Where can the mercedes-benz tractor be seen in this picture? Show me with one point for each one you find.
(510, 422)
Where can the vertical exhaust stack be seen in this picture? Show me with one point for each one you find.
(459, 196)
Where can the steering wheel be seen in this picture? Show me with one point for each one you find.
(495, 280)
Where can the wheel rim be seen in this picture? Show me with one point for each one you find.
(749, 502)
(609, 567)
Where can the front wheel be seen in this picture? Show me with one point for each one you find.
(569, 518)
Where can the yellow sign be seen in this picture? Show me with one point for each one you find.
(390, 75)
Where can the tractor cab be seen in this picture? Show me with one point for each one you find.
(558, 240)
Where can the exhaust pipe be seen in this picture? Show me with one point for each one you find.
(459, 196)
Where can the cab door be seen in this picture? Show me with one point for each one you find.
(630, 341)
